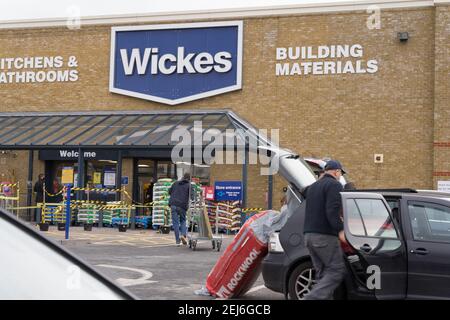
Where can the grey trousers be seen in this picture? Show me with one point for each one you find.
(328, 261)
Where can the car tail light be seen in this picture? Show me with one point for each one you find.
(274, 243)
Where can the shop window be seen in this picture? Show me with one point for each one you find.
(165, 169)
(145, 175)
(101, 173)
(146, 167)
(200, 172)
(54, 184)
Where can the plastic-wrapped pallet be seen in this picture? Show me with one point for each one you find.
(88, 213)
(142, 221)
(211, 208)
(228, 215)
(111, 216)
(235, 219)
(107, 217)
(161, 202)
(236, 215)
(196, 203)
(224, 216)
(119, 217)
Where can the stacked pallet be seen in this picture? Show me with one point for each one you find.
(55, 213)
(236, 217)
(143, 221)
(87, 213)
(115, 216)
(161, 211)
(196, 203)
(226, 213)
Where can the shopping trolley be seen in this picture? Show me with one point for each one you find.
(199, 217)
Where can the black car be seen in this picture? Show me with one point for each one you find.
(398, 247)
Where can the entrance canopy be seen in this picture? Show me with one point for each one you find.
(127, 133)
(115, 130)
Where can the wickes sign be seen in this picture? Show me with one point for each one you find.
(176, 63)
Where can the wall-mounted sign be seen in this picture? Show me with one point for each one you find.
(71, 154)
(97, 178)
(38, 69)
(67, 175)
(124, 180)
(109, 179)
(323, 60)
(443, 186)
(176, 63)
(208, 192)
(228, 190)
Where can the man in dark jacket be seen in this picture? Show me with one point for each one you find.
(39, 189)
(323, 231)
(179, 202)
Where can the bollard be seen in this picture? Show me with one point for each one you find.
(68, 218)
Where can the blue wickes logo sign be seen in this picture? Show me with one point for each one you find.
(176, 63)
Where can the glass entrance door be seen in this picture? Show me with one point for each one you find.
(147, 172)
(53, 178)
(145, 180)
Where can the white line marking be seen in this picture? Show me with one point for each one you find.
(256, 289)
(131, 282)
(157, 246)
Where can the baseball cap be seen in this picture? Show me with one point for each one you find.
(333, 165)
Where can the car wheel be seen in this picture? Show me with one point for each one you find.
(301, 281)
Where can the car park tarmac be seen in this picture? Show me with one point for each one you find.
(150, 264)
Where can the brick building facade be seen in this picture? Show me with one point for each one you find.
(401, 110)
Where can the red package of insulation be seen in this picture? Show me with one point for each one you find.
(239, 266)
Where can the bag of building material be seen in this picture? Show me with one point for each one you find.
(239, 266)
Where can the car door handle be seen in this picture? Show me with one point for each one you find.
(366, 248)
(421, 251)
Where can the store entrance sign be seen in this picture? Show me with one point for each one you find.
(176, 63)
(228, 190)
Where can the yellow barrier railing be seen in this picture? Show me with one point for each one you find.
(14, 198)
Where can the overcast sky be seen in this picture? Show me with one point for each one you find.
(38, 9)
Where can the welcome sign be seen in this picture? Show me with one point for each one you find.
(176, 63)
